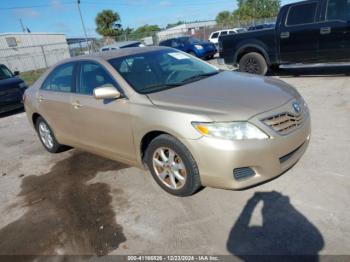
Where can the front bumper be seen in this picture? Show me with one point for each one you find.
(217, 159)
(206, 53)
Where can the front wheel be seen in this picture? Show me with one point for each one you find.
(253, 63)
(172, 166)
(47, 137)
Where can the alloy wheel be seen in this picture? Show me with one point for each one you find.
(45, 135)
(169, 168)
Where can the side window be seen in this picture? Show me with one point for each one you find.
(302, 14)
(338, 10)
(223, 33)
(91, 76)
(231, 32)
(215, 35)
(60, 79)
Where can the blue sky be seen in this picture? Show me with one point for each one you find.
(62, 15)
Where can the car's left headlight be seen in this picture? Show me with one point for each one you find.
(230, 130)
(199, 47)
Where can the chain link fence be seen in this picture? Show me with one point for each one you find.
(189, 29)
(31, 58)
(43, 56)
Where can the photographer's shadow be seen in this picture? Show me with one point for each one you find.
(284, 231)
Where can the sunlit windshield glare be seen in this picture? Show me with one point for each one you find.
(160, 70)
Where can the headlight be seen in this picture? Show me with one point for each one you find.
(22, 85)
(230, 130)
(199, 47)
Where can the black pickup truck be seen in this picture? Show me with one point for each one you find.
(313, 31)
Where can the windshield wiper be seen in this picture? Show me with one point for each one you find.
(198, 77)
(160, 86)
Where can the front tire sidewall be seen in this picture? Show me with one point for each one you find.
(56, 146)
(258, 59)
(192, 183)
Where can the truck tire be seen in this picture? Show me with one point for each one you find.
(253, 63)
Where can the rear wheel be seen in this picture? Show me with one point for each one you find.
(47, 137)
(253, 63)
(172, 166)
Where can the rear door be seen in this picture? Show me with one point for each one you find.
(299, 33)
(335, 31)
(101, 126)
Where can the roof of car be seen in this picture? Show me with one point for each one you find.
(107, 55)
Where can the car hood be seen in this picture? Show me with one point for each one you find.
(227, 96)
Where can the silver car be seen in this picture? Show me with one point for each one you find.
(189, 123)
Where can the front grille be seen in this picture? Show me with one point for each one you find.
(243, 173)
(285, 158)
(284, 123)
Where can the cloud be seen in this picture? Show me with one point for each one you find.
(61, 27)
(164, 3)
(57, 5)
(26, 12)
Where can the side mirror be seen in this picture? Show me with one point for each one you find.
(16, 73)
(106, 92)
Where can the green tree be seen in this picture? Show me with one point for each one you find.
(146, 30)
(256, 9)
(224, 18)
(108, 24)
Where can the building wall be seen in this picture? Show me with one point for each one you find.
(32, 50)
(184, 29)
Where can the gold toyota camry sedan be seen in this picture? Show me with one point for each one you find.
(189, 123)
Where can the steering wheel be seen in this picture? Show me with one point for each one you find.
(171, 76)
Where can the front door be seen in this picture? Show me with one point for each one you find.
(101, 126)
(54, 101)
(299, 34)
(335, 31)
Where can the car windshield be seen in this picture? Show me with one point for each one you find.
(160, 70)
(5, 73)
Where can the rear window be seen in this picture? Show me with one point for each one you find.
(302, 14)
(338, 10)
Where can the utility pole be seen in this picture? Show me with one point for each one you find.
(82, 23)
(23, 29)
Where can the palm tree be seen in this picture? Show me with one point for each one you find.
(108, 24)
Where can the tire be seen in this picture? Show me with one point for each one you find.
(253, 63)
(181, 165)
(49, 141)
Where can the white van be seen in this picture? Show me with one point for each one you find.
(214, 37)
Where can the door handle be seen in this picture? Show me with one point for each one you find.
(77, 105)
(285, 35)
(325, 30)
